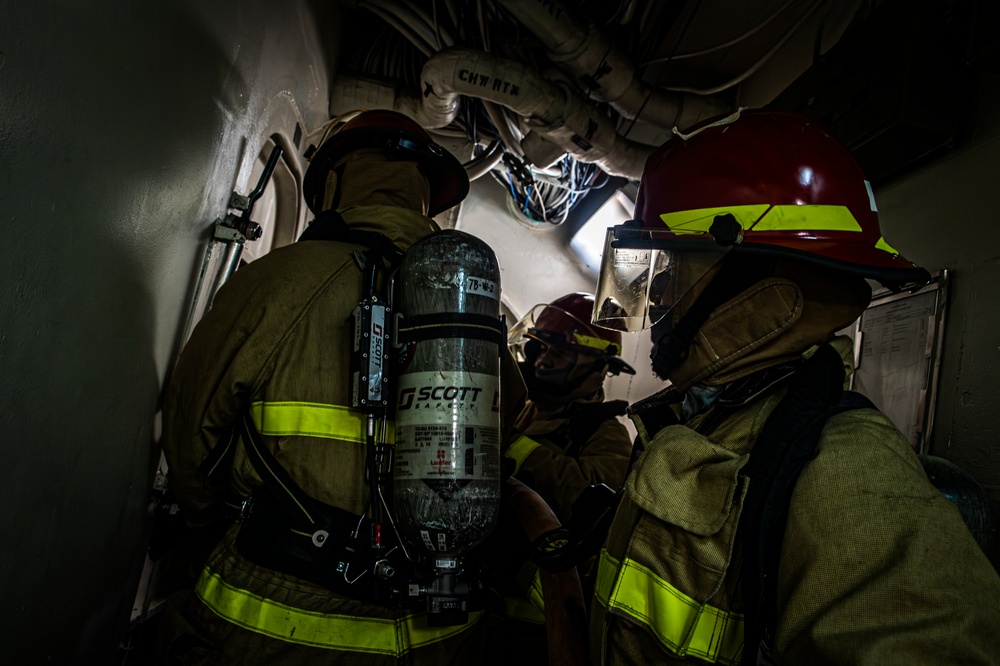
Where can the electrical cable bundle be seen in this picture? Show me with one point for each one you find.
(410, 32)
(546, 196)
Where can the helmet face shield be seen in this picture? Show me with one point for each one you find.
(558, 331)
(644, 274)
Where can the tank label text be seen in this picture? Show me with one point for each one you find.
(482, 287)
(446, 426)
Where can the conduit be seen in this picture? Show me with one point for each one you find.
(604, 71)
(550, 109)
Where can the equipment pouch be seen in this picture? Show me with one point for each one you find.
(689, 491)
(334, 552)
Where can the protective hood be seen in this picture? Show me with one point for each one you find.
(583, 380)
(776, 320)
(368, 176)
(539, 418)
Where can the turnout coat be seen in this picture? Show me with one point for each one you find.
(277, 341)
(876, 565)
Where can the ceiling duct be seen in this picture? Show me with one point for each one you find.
(604, 71)
(553, 111)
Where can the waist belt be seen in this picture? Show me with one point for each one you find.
(334, 551)
(290, 532)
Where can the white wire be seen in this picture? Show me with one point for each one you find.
(436, 25)
(421, 45)
(629, 12)
(452, 12)
(541, 202)
(719, 47)
(569, 189)
(415, 17)
(498, 114)
(757, 65)
(483, 32)
(448, 132)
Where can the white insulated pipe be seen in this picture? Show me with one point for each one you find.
(604, 70)
(551, 110)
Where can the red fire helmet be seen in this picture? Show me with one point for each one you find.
(765, 181)
(392, 131)
(564, 324)
(568, 316)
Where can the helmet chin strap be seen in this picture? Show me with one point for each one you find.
(671, 342)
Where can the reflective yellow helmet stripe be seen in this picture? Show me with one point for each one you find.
(520, 450)
(762, 217)
(311, 419)
(684, 626)
(596, 343)
(700, 221)
(336, 632)
(885, 247)
(808, 218)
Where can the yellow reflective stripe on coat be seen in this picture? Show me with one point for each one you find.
(338, 632)
(763, 217)
(312, 419)
(684, 626)
(519, 450)
(530, 609)
(523, 610)
(535, 594)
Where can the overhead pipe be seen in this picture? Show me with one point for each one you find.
(604, 71)
(551, 110)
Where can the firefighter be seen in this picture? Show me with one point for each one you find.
(567, 439)
(771, 515)
(274, 350)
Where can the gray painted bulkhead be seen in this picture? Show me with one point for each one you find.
(944, 216)
(123, 129)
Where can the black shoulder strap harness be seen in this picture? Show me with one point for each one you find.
(289, 531)
(285, 529)
(331, 226)
(785, 446)
(416, 328)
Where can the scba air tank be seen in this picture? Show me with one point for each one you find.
(446, 470)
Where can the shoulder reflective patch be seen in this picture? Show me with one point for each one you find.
(522, 610)
(700, 221)
(532, 607)
(336, 632)
(807, 218)
(535, 594)
(310, 419)
(520, 450)
(681, 624)
(885, 247)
